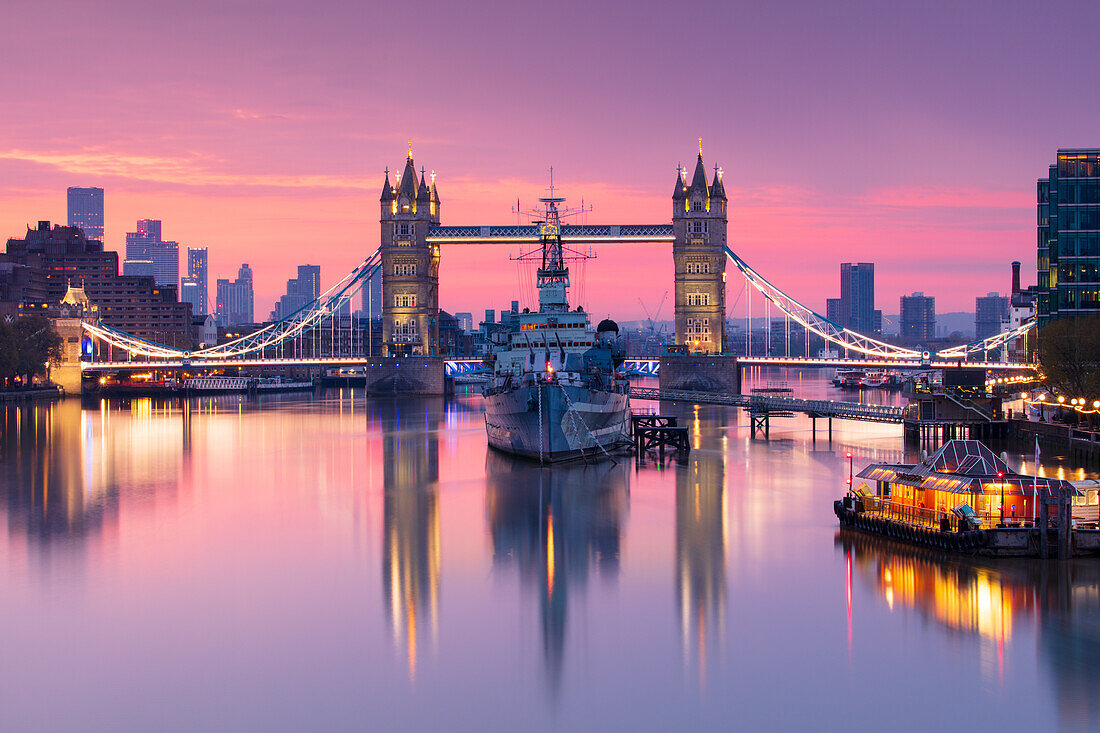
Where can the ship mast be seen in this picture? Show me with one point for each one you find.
(553, 275)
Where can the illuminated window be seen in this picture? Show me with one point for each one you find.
(698, 299)
(404, 300)
(404, 269)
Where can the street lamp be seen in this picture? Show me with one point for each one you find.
(1000, 475)
(850, 474)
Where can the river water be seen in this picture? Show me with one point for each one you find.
(338, 562)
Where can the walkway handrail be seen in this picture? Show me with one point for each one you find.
(816, 408)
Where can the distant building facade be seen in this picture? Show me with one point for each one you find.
(699, 229)
(234, 304)
(918, 319)
(85, 209)
(991, 315)
(193, 287)
(300, 291)
(1068, 256)
(146, 245)
(855, 308)
(64, 256)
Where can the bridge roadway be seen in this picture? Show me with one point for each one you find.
(772, 404)
(460, 366)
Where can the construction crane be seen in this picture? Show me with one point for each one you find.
(653, 318)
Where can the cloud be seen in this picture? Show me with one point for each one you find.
(193, 170)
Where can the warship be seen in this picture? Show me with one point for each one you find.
(555, 393)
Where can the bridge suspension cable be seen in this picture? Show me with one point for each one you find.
(854, 341)
(301, 321)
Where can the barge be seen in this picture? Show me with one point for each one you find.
(965, 499)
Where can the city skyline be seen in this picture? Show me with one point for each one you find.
(900, 156)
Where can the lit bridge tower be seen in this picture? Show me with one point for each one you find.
(699, 228)
(410, 264)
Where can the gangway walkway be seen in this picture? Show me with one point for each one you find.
(767, 403)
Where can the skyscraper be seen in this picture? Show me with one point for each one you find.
(86, 210)
(990, 315)
(193, 287)
(146, 245)
(918, 318)
(855, 308)
(1068, 255)
(234, 299)
(300, 291)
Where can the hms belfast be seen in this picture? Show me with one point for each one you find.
(555, 393)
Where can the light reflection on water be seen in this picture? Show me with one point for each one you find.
(338, 561)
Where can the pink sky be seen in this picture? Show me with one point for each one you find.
(909, 135)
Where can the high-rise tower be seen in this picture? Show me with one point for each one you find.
(410, 265)
(699, 227)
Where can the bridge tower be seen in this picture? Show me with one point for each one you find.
(699, 228)
(410, 265)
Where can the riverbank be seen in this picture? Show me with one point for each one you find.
(45, 393)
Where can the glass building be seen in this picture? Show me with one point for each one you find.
(145, 245)
(86, 210)
(918, 319)
(193, 287)
(1069, 235)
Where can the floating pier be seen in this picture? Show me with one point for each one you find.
(658, 434)
(965, 499)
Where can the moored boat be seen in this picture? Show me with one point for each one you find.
(555, 393)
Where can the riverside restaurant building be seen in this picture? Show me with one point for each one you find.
(964, 472)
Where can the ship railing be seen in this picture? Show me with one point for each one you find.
(910, 514)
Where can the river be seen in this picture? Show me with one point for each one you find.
(339, 562)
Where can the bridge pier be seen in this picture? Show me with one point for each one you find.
(700, 373)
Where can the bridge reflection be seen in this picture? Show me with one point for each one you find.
(994, 602)
(410, 520)
(701, 540)
(556, 525)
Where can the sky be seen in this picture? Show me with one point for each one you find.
(905, 134)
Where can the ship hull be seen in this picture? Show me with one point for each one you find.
(549, 422)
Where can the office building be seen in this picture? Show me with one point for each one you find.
(990, 315)
(234, 299)
(465, 321)
(86, 210)
(1068, 255)
(918, 319)
(300, 292)
(193, 287)
(855, 308)
(64, 255)
(146, 245)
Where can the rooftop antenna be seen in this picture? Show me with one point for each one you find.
(551, 181)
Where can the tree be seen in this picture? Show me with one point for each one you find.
(26, 345)
(1069, 355)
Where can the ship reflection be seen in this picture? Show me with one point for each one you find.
(410, 520)
(555, 525)
(991, 601)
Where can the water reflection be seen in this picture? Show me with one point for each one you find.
(410, 521)
(50, 487)
(701, 535)
(991, 602)
(555, 526)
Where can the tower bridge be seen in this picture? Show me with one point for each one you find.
(408, 262)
